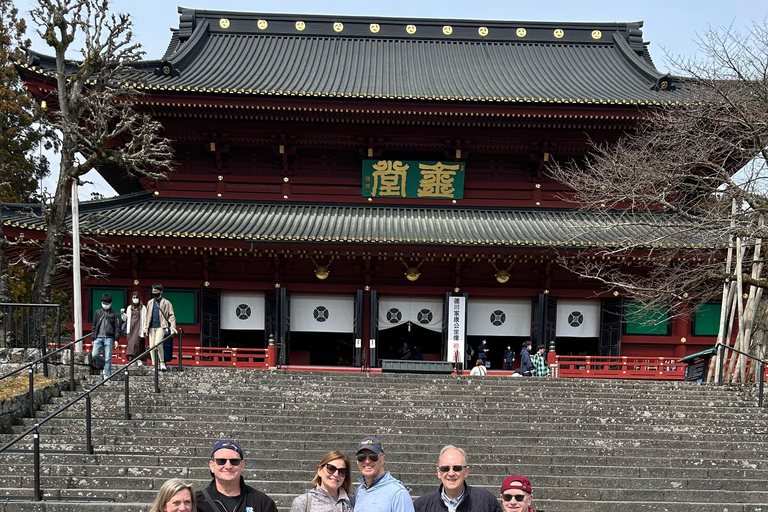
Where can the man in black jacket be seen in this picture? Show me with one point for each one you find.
(227, 491)
(454, 495)
(105, 333)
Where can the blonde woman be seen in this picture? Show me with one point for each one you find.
(174, 496)
(330, 487)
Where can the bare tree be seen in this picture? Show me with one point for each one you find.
(94, 110)
(692, 182)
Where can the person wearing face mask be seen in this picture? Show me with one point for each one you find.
(509, 358)
(160, 325)
(135, 317)
(330, 487)
(105, 333)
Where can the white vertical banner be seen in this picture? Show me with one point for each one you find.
(457, 326)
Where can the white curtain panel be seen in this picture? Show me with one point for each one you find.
(498, 317)
(426, 313)
(242, 311)
(322, 313)
(578, 318)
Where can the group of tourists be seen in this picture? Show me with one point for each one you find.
(535, 366)
(331, 488)
(152, 324)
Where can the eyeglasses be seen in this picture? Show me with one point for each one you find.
(371, 456)
(331, 469)
(456, 469)
(516, 497)
(234, 462)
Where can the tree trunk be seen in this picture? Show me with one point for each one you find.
(55, 235)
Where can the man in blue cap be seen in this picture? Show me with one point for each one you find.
(228, 492)
(379, 491)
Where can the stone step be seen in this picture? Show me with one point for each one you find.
(276, 400)
(418, 483)
(607, 458)
(526, 442)
(434, 434)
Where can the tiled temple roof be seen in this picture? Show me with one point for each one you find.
(142, 215)
(229, 53)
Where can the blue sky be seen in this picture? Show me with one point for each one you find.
(669, 26)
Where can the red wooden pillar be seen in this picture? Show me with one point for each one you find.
(271, 353)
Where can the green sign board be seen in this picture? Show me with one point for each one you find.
(406, 178)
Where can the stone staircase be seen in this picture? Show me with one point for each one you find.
(586, 445)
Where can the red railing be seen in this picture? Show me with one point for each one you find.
(620, 367)
(205, 356)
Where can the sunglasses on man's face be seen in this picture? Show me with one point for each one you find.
(331, 469)
(516, 497)
(371, 456)
(234, 462)
(445, 469)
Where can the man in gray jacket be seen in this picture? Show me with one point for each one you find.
(454, 495)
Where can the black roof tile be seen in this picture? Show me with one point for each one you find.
(142, 215)
(522, 62)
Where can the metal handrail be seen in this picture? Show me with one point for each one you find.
(721, 358)
(31, 372)
(35, 429)
(42, 358)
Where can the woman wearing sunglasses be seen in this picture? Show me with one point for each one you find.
(330, 487)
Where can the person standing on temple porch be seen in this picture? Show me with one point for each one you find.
(509, 358)
(482, 352)
(161, 324)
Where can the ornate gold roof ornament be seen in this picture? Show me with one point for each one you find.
(322, 271)
(412, 273)
(502, 275)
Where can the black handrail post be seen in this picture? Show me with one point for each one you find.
(181, 334)
(44, 352)
(721, 356)
(38, 493)
(72, 367)
(762, 378)
(157, 372)
(127, 397)
(88, 443)
(58, 327)
(31, 392)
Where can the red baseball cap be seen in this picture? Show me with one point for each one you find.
(516, 482)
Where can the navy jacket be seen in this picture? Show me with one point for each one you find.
(476, 499)
(525, 361)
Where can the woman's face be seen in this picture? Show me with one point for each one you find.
(179, 502)
(330, 475)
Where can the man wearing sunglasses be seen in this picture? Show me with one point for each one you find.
(454, 495)
(516, 494)
(228, 492)
(379, 491)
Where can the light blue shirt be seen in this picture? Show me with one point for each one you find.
(386, 494)
(452, 504)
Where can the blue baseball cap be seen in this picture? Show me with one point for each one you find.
(228, 445)
(370, 443)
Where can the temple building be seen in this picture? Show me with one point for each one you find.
(349, 185)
